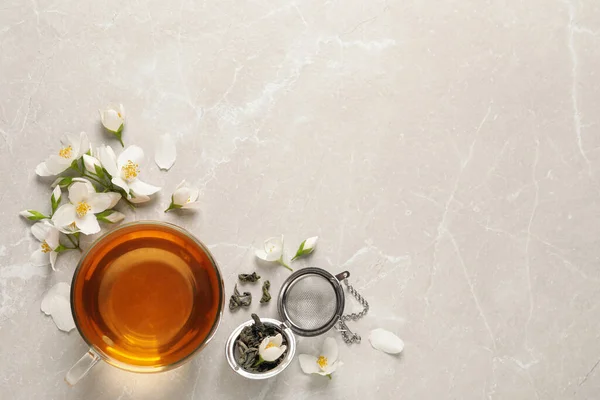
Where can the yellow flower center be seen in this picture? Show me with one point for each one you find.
(82, 209)
(66, 152)
(119, 114)
(271, 344)
(322, 361)
(45, 247)
(130, 170)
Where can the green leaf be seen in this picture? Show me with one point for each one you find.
(99, 171)
(300, 251)
(35, 215)
(102, 216)
(64, 182)
(172, 206)
(54, 204)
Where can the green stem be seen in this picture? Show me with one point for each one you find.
(95, 180)
(76, 244)
(281, 262)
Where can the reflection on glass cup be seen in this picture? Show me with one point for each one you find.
(145, 297)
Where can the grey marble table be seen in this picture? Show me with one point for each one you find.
(446, 153)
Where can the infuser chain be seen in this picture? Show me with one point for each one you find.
(349, 336)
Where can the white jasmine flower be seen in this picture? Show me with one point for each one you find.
(270, 349)
(57, 303)
(79, 213)
(110, 216)
(55, 198)
(184, 197)
(33, 215)
(272, 251)
(91, 164)
(72, 148)
(48, 236)
(166, 152)
(386, 341)
(125, 170)
(113, 120)
(306, 247)
(325, 364)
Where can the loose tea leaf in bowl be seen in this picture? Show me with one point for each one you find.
(266, 296)
(238, 300)
(248, 346)
(253, 277)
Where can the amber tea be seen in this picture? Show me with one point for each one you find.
(147, 295)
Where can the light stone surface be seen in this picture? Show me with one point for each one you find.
(446, 152)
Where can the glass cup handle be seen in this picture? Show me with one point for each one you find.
(82, 367)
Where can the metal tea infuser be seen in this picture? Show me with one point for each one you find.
(311, 302)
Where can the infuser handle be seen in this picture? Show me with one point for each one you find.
(342, 275)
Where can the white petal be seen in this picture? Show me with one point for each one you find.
(308, 364)
(139, 187)
(274, 244)
(133, 153)
(272, 353)
(114, 198)
(121, 183)
(273, 248)
(115, 217)
(110, 119)
(78, 192)
(139, 198)
(310, 243)
(386, 341)
(56, 164)
(56, 302)
(90, 163)
(191, 205)
(99, 201)
(53, 256)
(25, 213)
(52, 236)
(74, 142)
(108, 160)
(64, 216)
(330, 368)
(39, 258)
(194, 195)
(122, 110)
(57, 193)
(88, 225)
(181, 195)
(42, 170)
(277, 340)
(330, 350)
(263, 344)
(166, 152)
(40, 230)
(88, 184)
(83, 146)
(261, 254)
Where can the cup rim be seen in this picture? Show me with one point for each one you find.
(178, 363)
